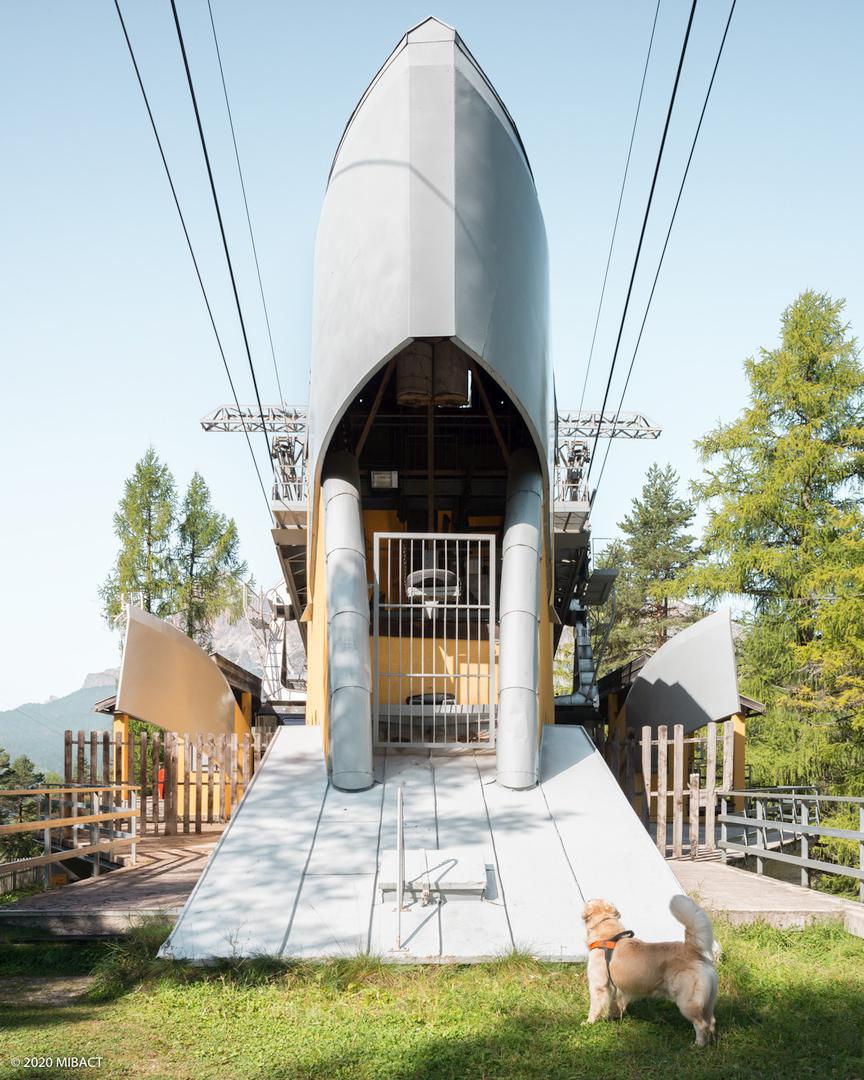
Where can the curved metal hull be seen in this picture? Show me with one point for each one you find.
(430, 228)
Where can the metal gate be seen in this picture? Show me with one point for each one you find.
(433, 649)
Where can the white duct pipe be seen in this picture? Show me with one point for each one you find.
(350, 675)
(517, 741)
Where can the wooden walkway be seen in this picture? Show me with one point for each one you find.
(168, 867)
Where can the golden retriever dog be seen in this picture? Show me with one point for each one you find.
(684, 971)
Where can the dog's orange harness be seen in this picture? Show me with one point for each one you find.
(608, 946)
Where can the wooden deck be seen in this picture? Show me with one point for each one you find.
(167, 869)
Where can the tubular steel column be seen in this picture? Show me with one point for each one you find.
(518, 732)
(350, 676)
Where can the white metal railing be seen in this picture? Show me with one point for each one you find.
(400, 861)
(569, 486)
(434, 639)
(806, 807)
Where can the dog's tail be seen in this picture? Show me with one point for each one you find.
(697, 925)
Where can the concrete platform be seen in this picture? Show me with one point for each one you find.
(744, 897)
(297, 872)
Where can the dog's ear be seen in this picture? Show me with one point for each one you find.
(592, 908)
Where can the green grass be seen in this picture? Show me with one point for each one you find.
(791, 1006)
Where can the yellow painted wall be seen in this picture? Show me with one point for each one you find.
(459, 670)
(317, 692)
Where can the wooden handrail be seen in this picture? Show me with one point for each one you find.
(67, 853)
(68, 790)
(65, 823)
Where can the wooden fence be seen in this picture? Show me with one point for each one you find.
(651, 769)
(184, 781)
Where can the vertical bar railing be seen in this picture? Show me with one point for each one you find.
(433, 685)
(400, 861)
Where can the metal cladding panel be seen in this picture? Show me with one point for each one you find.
(502, 286)
(690, 680)
(430, 227)
(168, 680)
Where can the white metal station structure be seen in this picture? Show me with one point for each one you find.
(432, 525)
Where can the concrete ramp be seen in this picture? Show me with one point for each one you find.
(298, 871)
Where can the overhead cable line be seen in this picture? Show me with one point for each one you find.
(618, 209)
(666, 241)
(191, 249)
(221, 226)
(644, 226)
(246, 204)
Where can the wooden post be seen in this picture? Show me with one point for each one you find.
(256, 749)
(805, 844)
(184, 748)
(232, 785)
(861, 853)
(142, 780)
(67, 780)
(129, 758)
(154, 785)
(211, 778)
(170, 783)
(613, 756)
(760, 834)
(662, 777)
(694, 815)
(134, 804)
(199, 755)
(646, 775)
(46, 837)
(724, 855)
(248, 771)
(678, 793)
(630, 767)
(94, 757)
(225, 776)
(106, 758)
(94, 832)
(710, 785)
(728, 754)
(80, 760)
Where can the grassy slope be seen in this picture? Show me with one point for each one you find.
(791, 1006)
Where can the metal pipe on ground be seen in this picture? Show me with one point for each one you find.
(517, 741)
(350, 675)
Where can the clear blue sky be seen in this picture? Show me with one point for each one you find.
(105, 343)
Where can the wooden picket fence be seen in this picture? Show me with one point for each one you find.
(666, 797)
(184, 781)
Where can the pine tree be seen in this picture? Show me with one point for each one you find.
(785, 531)
(207, 567)
(15, 775)
(143, 525)
(656, 547)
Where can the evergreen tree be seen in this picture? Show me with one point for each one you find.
(208, 570)
(656, 547)
(785, 531)
(143, 525)
(15, 775)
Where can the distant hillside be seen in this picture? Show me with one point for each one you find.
(37, 729)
